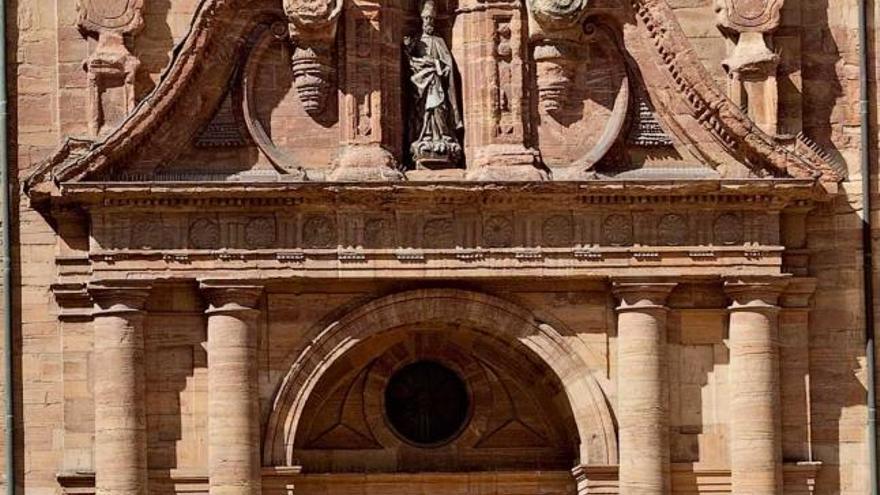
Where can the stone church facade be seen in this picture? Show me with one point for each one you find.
(439, 246)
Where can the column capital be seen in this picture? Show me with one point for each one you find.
(119, 296)
(224, 296)
(755, 291)
(641, 294)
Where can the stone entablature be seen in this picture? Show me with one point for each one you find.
(596, 229)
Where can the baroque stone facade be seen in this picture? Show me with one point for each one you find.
(474, 246)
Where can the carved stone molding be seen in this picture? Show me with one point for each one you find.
(111, 67)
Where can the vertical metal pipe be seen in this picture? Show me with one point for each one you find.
(867, 244)
(8, 389)
(9, 440)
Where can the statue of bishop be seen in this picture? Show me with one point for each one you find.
(436, 114)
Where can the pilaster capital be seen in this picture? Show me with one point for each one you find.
(642, 294)
(798, 293)
(754, 292)
(119, 297)
(225, 296)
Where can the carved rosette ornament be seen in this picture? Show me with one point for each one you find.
(111, 67)
(313, 35)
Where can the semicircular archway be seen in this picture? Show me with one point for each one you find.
(478, 311)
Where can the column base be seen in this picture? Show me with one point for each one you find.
(506, 162)
(366, 163)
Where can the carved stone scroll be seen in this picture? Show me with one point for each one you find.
(752, 64)
(313, 34)
(111, 67)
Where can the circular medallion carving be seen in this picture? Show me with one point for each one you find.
(617, 230)
(557, 231)
(672, 230)
(379, 233)
(146, 233)
(728, 229)
(319, 231)
(204, 233)
(498, 232)
(439, 233)
(260, 233)
(426, 403)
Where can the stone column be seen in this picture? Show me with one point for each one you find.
(120, 416)
(755, 426)
(642, 388)
(233, 396)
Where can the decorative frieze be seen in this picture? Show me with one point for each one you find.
(493, 229)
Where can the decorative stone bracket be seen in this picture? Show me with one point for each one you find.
(111, 67)
(313, 34)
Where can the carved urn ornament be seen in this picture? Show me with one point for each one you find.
(436, 117)
(313, 34)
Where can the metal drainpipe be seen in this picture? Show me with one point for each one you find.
(9, 441)
(867, 244)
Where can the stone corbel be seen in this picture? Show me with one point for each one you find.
(752, 64)
(312, 26)
(111, 67)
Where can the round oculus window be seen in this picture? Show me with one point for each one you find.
(426, 403)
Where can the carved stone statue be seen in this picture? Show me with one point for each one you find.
(436, 116)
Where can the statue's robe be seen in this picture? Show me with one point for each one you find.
(433, 77)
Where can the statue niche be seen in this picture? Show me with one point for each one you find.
(435, 116)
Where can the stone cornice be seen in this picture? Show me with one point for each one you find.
(758, 193)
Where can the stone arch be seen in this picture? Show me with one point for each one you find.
(505, 320)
